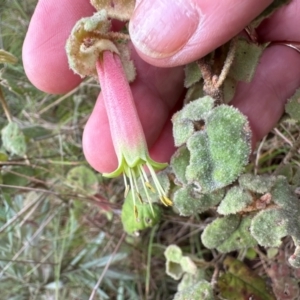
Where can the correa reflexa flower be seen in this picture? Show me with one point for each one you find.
(126, 130)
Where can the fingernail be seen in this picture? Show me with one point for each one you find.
(161, 28)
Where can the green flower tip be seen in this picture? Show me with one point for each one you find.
(131, 173)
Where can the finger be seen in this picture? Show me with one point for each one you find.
(283, 25)
(44, 55)
(171, 33)
(155, 91)
(263, 99)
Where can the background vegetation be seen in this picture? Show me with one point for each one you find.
(60, 230)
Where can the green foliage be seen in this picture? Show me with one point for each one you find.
(218, 231)
(212, 165)
(194, 92)
(236, 200)
(293, 106)
(55, 240)
(211, 135)
(191, 116)
(245, 61)
(272, 213)
(229, 88)
(36, 132)
(179, 162)
(228, 234)
(134, 221)
(258, 184)
(177, 264)
(240, 283)
(189, 202)
(16, 176)
(82, 180)
(269, 226)
(189, 279)
(202, 290)
(13, 139)
(192, 74)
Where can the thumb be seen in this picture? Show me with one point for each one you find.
(175, 32)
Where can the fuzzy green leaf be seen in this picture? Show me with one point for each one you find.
(189, 202)
(293, 106)
(220, 151)
(229, 88)
(240, 283)
(236, 200)
(219, 230)
(257, 183)
(200, 291)
(240, 238)
(194, 92)
(228, 234)
(192, 74)
(189, 118)
(13, 139)
(173, 256)
(82, 180)
(179, 162)
(176, 264)
(188, 266)
(269, 226)
(173, 253)
(145, 219)
(189, 279)
(246, 59)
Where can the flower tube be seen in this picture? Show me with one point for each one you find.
(126, 130)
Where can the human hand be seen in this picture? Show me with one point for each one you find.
(157, 90)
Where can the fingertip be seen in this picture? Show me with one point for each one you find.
(174, 34)
(44, 57)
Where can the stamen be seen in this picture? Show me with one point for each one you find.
(136, 214)
(145, 189)
(147, 183)
(131, 177)
(150, 187)
(127, 187)
(163, 198)
(140, 197)
(166, 201)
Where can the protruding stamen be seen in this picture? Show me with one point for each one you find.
(145, 189)
(136, 214)
(166, 201)
(131, 179)
(163, 198)
(140, 197)
(127, 187)
(150, 187)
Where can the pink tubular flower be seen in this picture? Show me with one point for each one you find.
(126, 129)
